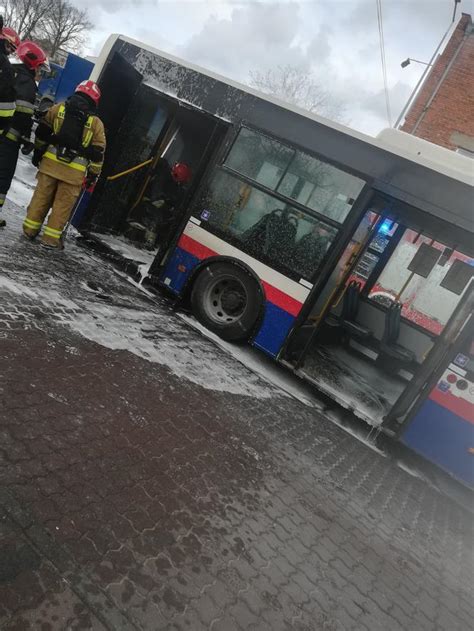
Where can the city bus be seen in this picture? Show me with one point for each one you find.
(346, 258)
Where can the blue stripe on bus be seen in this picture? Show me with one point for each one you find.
(444, 438)
(274, 330)
(176, 278)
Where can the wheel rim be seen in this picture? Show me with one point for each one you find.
(225, 300)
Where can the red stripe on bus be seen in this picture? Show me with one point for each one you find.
(456, 405)
(273, 295)
(194, 247)
(282, 300)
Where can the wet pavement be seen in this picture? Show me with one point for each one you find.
(150, 481)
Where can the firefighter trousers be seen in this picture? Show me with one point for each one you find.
(9, 150)
(57, 195)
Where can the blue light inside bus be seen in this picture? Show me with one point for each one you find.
(385, 226)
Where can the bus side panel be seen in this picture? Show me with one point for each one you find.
(274, 329)
(281, 306)
(443, 429)
(444, 439)
(178, 268)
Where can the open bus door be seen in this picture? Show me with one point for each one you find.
(118, 83)
(156, 127)
(435, 416)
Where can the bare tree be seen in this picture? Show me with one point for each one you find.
(25, 16)
(295, 85)
(65, 26)
(54, 24)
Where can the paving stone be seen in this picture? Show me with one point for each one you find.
(168, 505)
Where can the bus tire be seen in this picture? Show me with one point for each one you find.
(227, 300)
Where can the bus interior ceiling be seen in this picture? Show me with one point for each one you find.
(155, 126)
(376, 320)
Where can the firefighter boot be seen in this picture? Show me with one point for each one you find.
(63, 204)
(41, 202)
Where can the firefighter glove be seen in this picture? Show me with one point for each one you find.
(27, 148)
(36, 158)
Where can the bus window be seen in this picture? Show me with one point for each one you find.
(427, 301)
(259, 158)
(268, 229)
(320, 186)
(296, 175)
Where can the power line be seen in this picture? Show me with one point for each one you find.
(383, 60)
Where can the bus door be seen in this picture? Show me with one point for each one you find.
(377, 325)
(144, 130)
(119, 82)
(441, 428)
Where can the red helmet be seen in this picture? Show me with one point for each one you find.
(181, 172)
(32, 55)
(91, 89)
(10, 36)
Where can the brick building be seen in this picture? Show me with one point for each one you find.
(443, 110)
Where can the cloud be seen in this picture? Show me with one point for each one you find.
(336, 40)
(398, 95)
(254, 36)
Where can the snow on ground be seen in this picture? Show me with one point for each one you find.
(125, 248)
(142, 333)
(16, 288)
(259, 363)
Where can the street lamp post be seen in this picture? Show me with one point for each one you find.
(409, 60)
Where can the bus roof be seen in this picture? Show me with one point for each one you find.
(400, 143)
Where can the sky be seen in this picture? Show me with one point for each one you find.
(337, 41)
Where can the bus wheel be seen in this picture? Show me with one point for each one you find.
(227, 300)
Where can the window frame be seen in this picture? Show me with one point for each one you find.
(283, 198)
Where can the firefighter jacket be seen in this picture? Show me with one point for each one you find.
(7, 89)
(70, 167)
(20, 124)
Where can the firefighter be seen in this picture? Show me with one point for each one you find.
(69, 151)
(9, 41)
(16, 132)
(157, 215)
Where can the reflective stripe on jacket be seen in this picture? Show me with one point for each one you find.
(7, 109)
(12, 134)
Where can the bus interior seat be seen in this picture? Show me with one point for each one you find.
(389, 348)
(349, 313)
(274, 232)
(308, 253)
(280, 233)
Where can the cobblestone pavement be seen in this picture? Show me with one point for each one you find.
(134, 497)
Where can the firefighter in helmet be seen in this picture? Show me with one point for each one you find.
(69, 151)
(16, 129)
